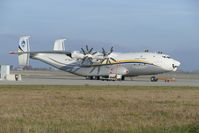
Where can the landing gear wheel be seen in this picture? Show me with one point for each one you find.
(123, 78)
(97, 77)
(154, 79)
(90, 77)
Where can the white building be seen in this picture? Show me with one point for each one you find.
(5, 74)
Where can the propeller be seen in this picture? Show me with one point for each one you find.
(107, 59)
(88, 51)
(87, 61)
(104, 57)
(88, 55)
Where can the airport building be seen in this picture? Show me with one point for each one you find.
(5, 74)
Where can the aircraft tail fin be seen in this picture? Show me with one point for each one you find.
(23, 48)
(59, 45)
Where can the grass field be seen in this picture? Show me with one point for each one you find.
(102, 109)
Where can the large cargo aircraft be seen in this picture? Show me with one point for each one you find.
(98, 65)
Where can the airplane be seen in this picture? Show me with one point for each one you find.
(98, 65)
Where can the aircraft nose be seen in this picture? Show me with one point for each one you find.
(175, 65)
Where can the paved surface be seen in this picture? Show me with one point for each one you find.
(80, 81)
(61, 78)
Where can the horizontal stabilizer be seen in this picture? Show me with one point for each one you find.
(42, 52)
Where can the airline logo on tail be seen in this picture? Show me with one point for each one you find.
(23, 44)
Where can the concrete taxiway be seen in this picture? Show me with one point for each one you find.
(63, 78)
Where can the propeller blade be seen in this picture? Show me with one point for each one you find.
(90, 61)
(104, 52)
(83, 51)
(90, 50)
(94, 53)
(111, 50)
(109, 61)
(83, 60)
(106, 61)
(102, 61)
(113, 59)
(87, 48)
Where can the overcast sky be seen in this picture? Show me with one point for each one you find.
(171, 26)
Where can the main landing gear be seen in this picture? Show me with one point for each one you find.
(154, 79)
(123, 78)
(107, 78)
(93, 77)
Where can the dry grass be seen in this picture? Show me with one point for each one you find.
(60, 109)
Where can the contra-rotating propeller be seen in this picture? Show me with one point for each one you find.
(107, 59)
(88, 55)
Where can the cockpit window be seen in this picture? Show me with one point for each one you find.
(166, 56)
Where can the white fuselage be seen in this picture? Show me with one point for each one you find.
(128, 64)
